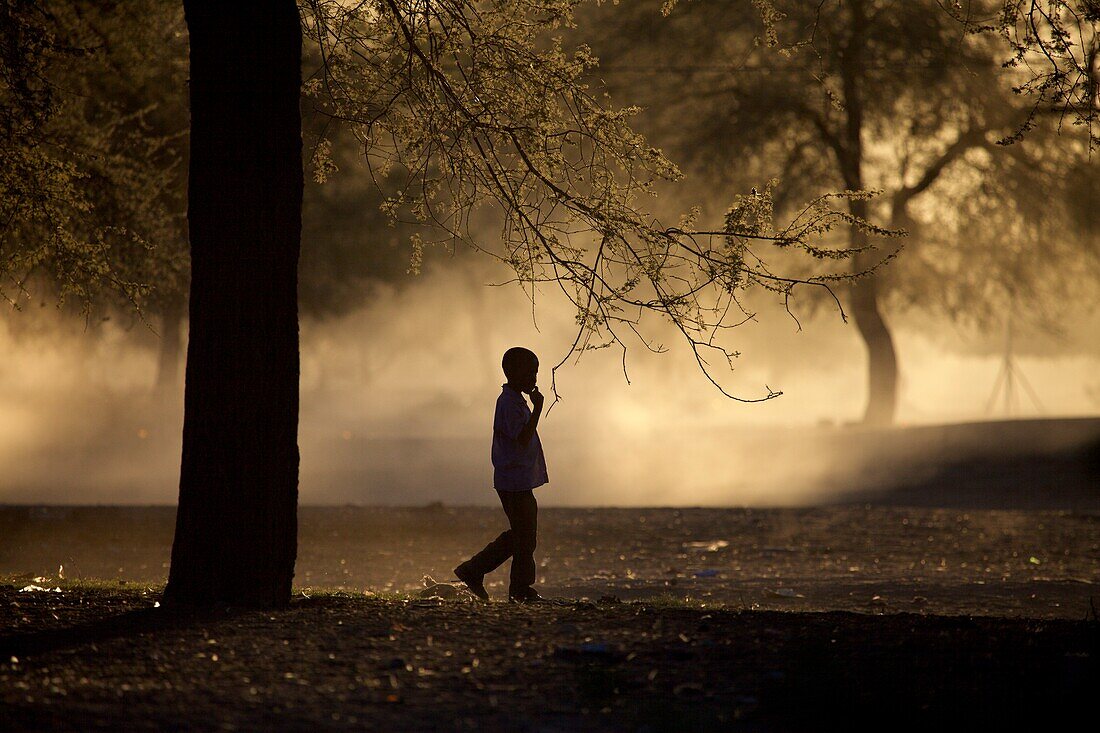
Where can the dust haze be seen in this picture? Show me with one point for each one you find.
(397, 400)
(398, 391)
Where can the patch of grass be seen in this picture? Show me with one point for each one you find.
(310, 591)
(671, 600)
(22, 580)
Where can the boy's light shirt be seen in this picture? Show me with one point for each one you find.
(515, 468)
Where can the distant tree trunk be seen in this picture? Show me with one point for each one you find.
(168, 353)
(236, 526)
(882, 364)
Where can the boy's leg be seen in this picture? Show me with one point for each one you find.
(473, 571)
(491, 557)
(522, 511)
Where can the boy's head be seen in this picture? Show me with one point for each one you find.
(521, 366)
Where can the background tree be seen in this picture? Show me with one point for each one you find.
(133, 90)
(353, 255)
(872, 95)
(44, 209)
(119, 121)
(96, 189)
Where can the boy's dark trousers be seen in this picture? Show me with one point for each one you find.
(518, 542)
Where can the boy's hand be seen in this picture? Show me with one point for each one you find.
(536, 398)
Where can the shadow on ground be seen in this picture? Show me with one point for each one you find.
(340, 662)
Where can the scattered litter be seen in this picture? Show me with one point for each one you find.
(707, 545)
(38, 588)
(1034, 560)
(444, 591)
(707, 573)
(156, 604)
(785, 593)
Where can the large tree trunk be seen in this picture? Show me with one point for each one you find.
(168, 353)
(882, 365)
(236, 527)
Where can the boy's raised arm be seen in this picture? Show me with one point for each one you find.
(528, 430)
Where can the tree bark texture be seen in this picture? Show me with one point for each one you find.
(236, 526)
(882, 364)
(168, 353)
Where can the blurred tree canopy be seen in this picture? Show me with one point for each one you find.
(96, 193)
(348, 244)
(871, 94)
(95, 143)
(94, 137)
(1055, 54)
(89, 159)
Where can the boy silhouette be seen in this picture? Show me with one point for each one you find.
(518, 468)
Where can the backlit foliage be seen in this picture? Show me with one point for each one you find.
(931, 101)
(42, 199)
(482, 106)
(476, 107)
(92, 153)
(1054, 47)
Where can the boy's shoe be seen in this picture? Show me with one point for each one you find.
(527, 595)
(473, 581)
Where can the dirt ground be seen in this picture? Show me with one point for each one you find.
(852, 558)
(785, 619)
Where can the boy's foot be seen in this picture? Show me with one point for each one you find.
(527, 595)
(473, 581)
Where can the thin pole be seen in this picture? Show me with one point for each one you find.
(1008, 375)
